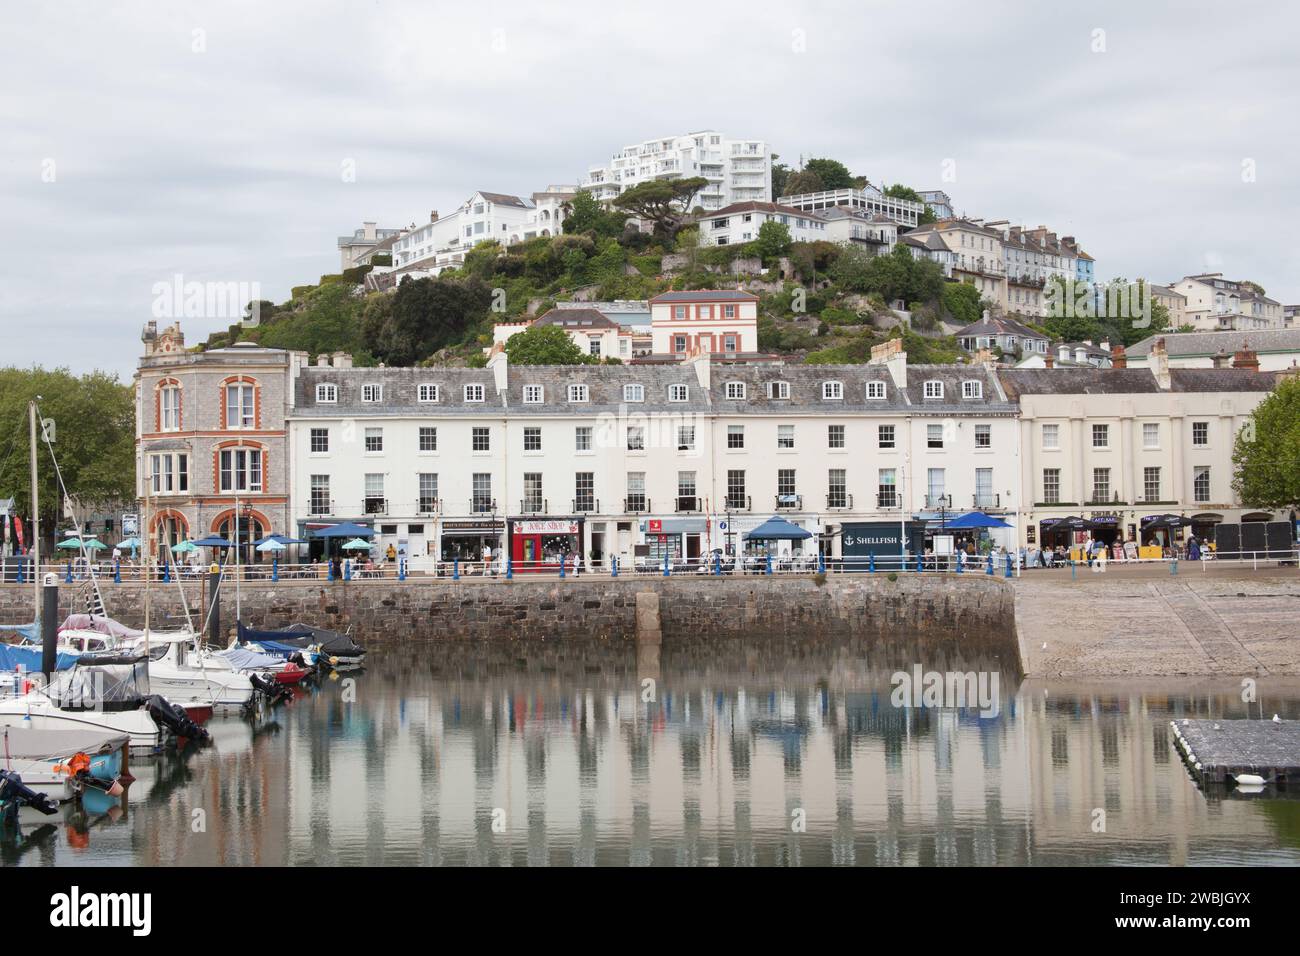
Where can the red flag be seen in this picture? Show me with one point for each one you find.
(18, 530)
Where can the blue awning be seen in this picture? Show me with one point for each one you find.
(777, 528)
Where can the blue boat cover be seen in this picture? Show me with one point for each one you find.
(29, 656)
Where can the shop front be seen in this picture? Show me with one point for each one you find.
(1106, 527)
(470, 541)
(541, 544)
(678, 539)
(860, 541)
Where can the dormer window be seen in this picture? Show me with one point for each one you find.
(578, 393)
(934, 389)
(736, 390)
(427, 394)
(327, 394)
(634, 393)
(875, 390)
(832, 391)
(778, 390)
(972, 389)
(533, 394)
(473, 393)
(678, 393)
(372, 393)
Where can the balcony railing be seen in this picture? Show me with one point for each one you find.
(688, 503)
(938, 501)
(839, 501)
(986, 499)
(321, 507)
(738, 502)
(375, 506)
(887, 499)
(534, 506)
(789, 502)
(636, 504)
(429, 506)
(482, 506)
(586, 505)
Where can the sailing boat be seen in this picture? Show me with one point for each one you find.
(103, 692)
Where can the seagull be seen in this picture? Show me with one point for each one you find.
(1277, 719)
(1217, 727)
(1044, 645)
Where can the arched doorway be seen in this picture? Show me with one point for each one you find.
(169, 528)
(252, 526)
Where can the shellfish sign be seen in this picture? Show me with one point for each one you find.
(77, 909)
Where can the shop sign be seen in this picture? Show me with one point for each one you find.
(547, 527)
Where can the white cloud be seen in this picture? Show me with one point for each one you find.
(224, 164)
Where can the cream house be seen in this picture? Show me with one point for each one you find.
(1123, 444)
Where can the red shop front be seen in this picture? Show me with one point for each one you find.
(541, 544)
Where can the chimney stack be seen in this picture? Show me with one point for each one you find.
(1049, 360)
(1221, 359)
(433, 216)
(1160, 364)
(1118, 358)
(1246, 358)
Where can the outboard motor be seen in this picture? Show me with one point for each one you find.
(14, 794)
(273, 692)
(173, 717)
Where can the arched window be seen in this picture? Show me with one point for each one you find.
(168, 411)
(239, 403)
(250, 527)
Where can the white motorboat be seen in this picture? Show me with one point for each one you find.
(184, 677)
(103, 693)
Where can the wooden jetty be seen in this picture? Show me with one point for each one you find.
(1219, 750)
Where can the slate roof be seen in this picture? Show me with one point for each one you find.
(577, 318)
(999, 326)
(505, 199)
(1209, 343)
(605, 384)
(1130, 381)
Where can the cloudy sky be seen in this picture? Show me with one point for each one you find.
(213, 141)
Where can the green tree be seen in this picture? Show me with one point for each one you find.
(93, 439)
(425, 316)
(773, 241)
(1266, 454)
(803, 181)
(780, 173)
(961, 300)
(664, 202)
(587, 214)
(832, 173)
(544, 345)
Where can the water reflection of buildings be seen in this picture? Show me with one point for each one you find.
(715, 770)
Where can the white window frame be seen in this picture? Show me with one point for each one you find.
(427, 393)
(534, 394)
(832, 391)
(327, 393)
(169, 412)
(972, 389)
(875, 390)
(246, 421)
(933, 388)
(372, 394)
(474, 393)
(679, 393)
(736, 390)
(778, 391)
(579, 393)
(634, 393)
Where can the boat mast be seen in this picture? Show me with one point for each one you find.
(148, 562)
(238, 548)
(36, 511)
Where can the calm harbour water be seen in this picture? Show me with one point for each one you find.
(461, 754)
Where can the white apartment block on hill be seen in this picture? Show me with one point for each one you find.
(739, 223)
(1218, 304)
(442, 242)
(738, 170)
(902, 211)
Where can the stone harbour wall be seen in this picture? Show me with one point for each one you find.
(970, 614)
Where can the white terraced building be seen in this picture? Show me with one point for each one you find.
(738, 170)
(639, 462)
